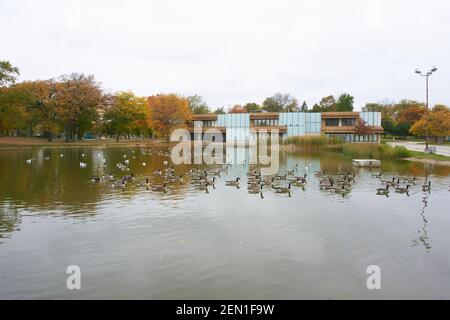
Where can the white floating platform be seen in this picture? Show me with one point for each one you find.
(367, 163)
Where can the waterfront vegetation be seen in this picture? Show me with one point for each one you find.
(356, 150)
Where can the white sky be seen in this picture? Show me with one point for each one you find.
(232, 51)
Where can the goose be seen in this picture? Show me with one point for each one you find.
(426, 187)
(95, 179)
(283, 189)
(388, 181)
(377, 175)
(320, 173)
(255, 190)
(233, 183)
(402, 190)
(410, 180)
(383, 191)
(299, 182)
(162, 188)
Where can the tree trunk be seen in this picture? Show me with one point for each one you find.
(117, 136)
(67, 131)
(80, 133)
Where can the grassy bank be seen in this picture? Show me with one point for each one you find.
(360, 150)
(353, 150)
(18, 142)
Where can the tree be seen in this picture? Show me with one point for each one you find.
(362, 128)
(304, 107)
(125, 114)
(8, 73)
(168, 112)
(78, 101)
(220, 110)
(344, 103)
(251, 107)
(237, 109)
(13, 113)
(438, 124)
(401, 129)
(388, 126)
(197, 105)
(326, 104)
(280, 103)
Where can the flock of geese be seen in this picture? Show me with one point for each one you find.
(399, 185)
(205, 179)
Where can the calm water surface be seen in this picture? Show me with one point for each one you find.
(186, 243)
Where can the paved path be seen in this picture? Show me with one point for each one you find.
(420, 146)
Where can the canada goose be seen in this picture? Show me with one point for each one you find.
(233, 183)
(299, 182)
(255, 189)
(320, 173)
(410, 180)
(162, 188)
(383, 191)
(426, 187)
(283, 189)
(402, 190)
(95, 179)
(377, 175)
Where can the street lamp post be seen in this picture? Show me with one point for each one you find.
(427, 75)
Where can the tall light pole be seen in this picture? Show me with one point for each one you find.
(427, 75)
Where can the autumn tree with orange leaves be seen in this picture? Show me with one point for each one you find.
(438, 124)
(168, 112)
(237, 109)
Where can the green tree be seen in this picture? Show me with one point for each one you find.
(326, 104)
(304, 107)
(220, 110)
(197, 105)
(126, 112)
(8, 73)
(344, 103)
(251, 107)
(280, 103)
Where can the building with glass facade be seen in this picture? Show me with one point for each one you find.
(248, 126)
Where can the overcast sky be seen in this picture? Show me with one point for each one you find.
(232, 51)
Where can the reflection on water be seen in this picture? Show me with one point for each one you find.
(188, 241)
(423, 238)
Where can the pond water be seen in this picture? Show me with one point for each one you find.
(139, 242)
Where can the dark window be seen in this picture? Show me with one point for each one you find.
(348, 121)
(332, 122)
